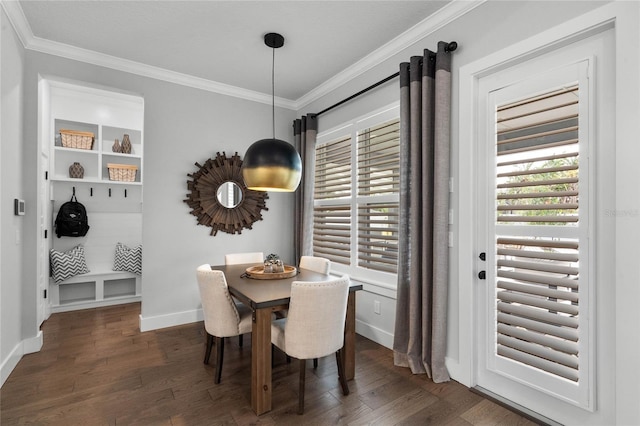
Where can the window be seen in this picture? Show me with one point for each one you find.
(356, 196)
(538, 272)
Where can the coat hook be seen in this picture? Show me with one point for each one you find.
(74, 190)
(109, 192)
(91, 191)
(125, 193)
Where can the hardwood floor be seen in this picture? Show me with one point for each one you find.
(96, 368)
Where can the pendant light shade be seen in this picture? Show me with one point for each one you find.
(272, 164)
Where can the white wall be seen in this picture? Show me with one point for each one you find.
(11, 227)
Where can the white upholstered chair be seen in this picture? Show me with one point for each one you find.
(239, 258)
(316, 264)
(313, 329)
(222, 318)
(321, 265)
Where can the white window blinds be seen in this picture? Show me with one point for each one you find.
(356, 198)
(332, 222)
(333, 170)
(538, 232)
(378, 176)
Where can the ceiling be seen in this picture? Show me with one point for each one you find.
(222, 41)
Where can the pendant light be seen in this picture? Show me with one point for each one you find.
(272, 164)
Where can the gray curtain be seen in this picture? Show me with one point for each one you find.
(305, 130)
(420, 335)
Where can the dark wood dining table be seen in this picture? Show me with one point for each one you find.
(265, 297)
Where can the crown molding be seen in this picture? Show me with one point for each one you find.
(442, 17)
(18, 20)
(37, 44)
(449, 13)
(83, 55)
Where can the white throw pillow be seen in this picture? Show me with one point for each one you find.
(128, 259)
(65, 265)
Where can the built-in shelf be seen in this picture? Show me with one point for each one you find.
(114, 207)
(94, 161)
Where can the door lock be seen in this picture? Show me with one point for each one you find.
(483, 256)
(482, 275)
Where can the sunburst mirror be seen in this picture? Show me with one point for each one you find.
(219, 198)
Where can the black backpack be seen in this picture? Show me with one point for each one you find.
(71, 220)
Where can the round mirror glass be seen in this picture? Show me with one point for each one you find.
(229, 194)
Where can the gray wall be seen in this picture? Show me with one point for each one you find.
(11, 186)
(182, 126)
(486, 29)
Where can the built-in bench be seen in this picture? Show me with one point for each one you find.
(100, 287)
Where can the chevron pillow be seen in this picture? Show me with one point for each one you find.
(67, 264)
(128, 259)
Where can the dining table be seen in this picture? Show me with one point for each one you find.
(266, 296)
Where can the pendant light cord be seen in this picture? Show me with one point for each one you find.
(273, 92)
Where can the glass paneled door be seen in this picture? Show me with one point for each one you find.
(536, 228)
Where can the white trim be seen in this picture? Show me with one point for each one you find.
(468, 97)
(449, 13)
(70, 52)
(18, 20)
(33, 344)
(598, 20)
(170, 320)
(375, 334)
(441, 18)
(10, 362)
(27, 346)
(90, 304)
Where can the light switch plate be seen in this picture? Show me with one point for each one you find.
(18, 207)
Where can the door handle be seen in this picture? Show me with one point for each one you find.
(482, 275)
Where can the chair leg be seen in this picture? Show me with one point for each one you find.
(208, 346)
(240, 340)
(341, 376)
(219, 358)
(303, 367)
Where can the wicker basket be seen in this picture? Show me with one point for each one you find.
(76, 139)
(122, 172)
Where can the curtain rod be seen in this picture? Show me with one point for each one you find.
(450, 48)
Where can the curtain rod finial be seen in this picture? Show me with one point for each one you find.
(452, 46)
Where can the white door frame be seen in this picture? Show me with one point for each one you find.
(623, 17)
(43, 305)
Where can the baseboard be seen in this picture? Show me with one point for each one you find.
(90, 304)
(33, 344)
(170, 320)
(378, 335)
(516, 408)
(10, 362)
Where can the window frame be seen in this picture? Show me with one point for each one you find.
(351, 128)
